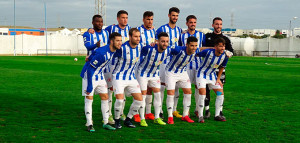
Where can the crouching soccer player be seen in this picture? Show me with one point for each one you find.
(148, 74)
(176, 74)
(93, 80)
(212, 59)
(124, 77)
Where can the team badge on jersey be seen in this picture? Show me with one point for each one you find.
(157, 63)
(216, 66)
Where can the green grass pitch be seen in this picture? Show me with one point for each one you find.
(41, 102)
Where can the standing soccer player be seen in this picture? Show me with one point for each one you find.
(210, 37)
(124, 77)
(174, 33)
(147, 37)
(123, 29)
(191, 22)
(148, 73)
(176, 74)
(206, 76)
(93, 80)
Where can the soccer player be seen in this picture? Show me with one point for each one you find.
(97, 39)
(176, 74)
(174, 33)
(148, 73)
(210, 37)
(147, 37)
(191, 22)
(124, 77)
(206, 76)
(93, 80)
(123, 29)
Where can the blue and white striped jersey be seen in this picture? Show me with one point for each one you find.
(210, 63)
(180, 59)
(90, 40)
(127, 58)
(201, 41)
(97, 61)
(124, 32)
(147, 36)
(150, 61)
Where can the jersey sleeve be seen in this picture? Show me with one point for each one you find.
(90, 73)
(108, 29)
(228, 45)
(96, 60)
(88, 41)
(159, 30)
(224, 63)
(175, 50)
(203, 41)
(181, 40)
(118, 53)
(202, 53)
(144, 51)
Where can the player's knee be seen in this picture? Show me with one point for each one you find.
(89, 97)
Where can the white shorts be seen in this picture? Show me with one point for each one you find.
(153, 82)
(202, 82)
(180, 79)
(108, 79)
(192, 75)
(99, 86)
(162, 74)
(132, 86)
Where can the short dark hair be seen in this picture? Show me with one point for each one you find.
(219, 40)
(162, 34)
(175, 9)
(147, 14)
(96, 16)
(191, 39)
(121, 12)
(133, 30)
(190, 17)
(217, 18)
(113, 35)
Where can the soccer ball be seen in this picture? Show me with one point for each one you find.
(75, 59)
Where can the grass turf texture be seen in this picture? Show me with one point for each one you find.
(41, 102)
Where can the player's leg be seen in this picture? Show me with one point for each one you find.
(196, 100)
(108, 79)
(219, 103)
(149, 115)
(88, 102)
(223, 80)
(119, 86)
(162, 76)
(143, 82)
(201, 84)
(207, 100)
(154, 84)
(171, 80)
(176, 98)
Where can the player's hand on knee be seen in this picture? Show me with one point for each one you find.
(219, 82)
(87, 58)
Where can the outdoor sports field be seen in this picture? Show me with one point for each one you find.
(41, 102)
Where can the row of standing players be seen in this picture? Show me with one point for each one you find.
(108, 66)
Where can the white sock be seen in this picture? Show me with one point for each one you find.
(162, 95)
(110, 101)
(170, 105)
(118, 108)
(176, 99)
(186, 104)
(142, 109)
(135, 106)
(206, 107)
(105, 110)
(219, 104)
(196, 99)
(88, 111)
(201, 102)
(148, 104)
(157, 104)
(123, 105)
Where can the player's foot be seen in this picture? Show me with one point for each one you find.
(196, 113)
(123, 117)
(220, 118)
(187, 118)
(137, 118)
(111, 120)
(207, 114)
(108, 127)
(90, 128)
(201, 119)
(170, 120)
(161, 115)
(118, 124)
(159, 121)
(128, 123)
(149, 116)
(176, 114)
(144, 123)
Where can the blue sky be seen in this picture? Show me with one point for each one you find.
(248, 14)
